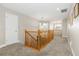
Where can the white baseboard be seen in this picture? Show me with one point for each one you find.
(6, 44)
(70, 43)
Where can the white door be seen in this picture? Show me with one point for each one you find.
(11, 26)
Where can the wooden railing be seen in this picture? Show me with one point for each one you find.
(40, 40)
(30, 41)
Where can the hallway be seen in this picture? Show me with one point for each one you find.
(56, 47)
(40, 26)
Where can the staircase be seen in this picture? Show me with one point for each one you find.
(38, 39)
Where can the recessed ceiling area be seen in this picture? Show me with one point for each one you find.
(41, 11)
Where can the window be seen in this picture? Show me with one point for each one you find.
(58, 26)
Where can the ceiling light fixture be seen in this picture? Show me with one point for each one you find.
(58, 9)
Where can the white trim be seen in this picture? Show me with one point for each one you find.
(6, 44)
(70, 43)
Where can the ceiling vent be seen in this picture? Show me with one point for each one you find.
(63, 10)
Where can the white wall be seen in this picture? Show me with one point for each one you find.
(74, 37)
(2, 25)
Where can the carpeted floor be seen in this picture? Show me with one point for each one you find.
(57, 47)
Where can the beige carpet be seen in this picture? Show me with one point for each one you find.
(57, 47)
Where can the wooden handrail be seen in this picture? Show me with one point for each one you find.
(40, 41)
(30, 35)
(32, 31)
